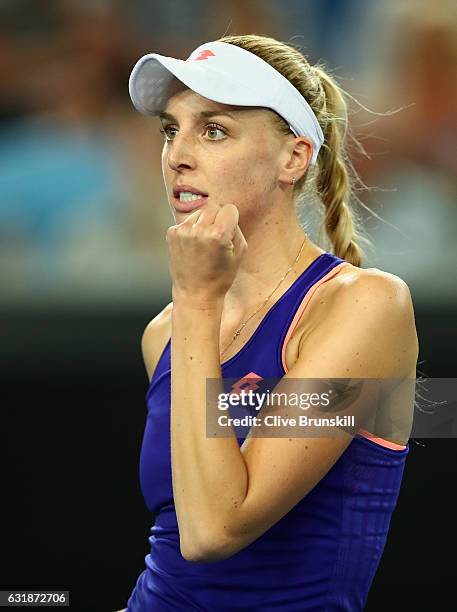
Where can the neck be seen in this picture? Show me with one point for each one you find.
(273, 245)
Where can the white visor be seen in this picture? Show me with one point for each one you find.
(226, 74)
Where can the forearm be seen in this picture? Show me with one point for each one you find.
(209, 474)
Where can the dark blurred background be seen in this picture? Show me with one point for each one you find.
(83, 215)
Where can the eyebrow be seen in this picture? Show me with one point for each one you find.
(201, 115)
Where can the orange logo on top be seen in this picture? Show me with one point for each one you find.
(247, 383)
(204, 54)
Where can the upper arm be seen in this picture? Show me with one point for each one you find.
(368, 332)
(155, 338)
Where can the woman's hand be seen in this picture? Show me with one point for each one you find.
(205, 253)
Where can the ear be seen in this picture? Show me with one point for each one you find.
(297, 156)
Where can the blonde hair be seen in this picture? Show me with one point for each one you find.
(334, 176)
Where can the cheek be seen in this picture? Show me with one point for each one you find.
(252, 173)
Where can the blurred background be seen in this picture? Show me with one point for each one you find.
(83, 263)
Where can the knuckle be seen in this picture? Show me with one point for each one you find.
(216, 233)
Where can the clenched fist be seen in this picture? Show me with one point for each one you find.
(205, 253)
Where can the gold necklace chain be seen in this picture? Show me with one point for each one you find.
(238, 331)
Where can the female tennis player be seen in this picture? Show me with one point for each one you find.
(290, 523)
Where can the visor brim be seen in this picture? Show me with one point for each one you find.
(151, 80)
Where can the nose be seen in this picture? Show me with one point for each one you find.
(180, 154)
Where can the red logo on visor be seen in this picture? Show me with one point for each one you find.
(204, 54)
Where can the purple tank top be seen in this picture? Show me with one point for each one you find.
(321, 556)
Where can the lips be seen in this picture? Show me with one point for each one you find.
(189, 188)
(188, 206)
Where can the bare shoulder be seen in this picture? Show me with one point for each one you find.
(365, 301)
(381, 290)
(155, 338)
(395, 300)
(370, 284)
